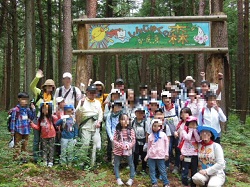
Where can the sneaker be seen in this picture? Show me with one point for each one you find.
(176, 170)
(155, 185)
(119, 182)
(50, 164)
(130, 182)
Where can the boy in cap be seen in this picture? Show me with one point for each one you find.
(92, 115)
(143, 94)
(115, 94)
(111, 121)
(19, 125)
(69, 130)
(140, 127)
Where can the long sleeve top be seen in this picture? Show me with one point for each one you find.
(128, 139)
(111, 123)
(190, 145)
(68, 127)
(212, 118)
(20, 117)
(158, 149)
(46, 127)
(211, 158)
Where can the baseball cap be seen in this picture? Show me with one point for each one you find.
(67, 75)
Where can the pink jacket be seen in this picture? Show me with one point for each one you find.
(46, 127)
(159, 149)
(190, 145)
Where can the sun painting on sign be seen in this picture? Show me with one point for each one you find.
(99, 37)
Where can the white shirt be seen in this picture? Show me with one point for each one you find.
(69, 100)
(212, 118)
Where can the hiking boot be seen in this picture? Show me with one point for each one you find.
(129, 182)
(119, 182)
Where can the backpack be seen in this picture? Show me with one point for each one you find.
(9, 116)
(74, 94)
(39, 96)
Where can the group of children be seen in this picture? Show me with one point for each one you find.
(155, 129)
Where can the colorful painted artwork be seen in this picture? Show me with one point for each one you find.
(162, 35)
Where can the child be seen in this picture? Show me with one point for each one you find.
(189, 149)
(111, 122)
(140, 127)
(69, 134)
(158, 147)
(19, 125)
(124, 141)
(48, 132)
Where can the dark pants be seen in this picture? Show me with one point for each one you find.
(173, 143)
(193, 165)
(36, 145)
(139, 151)
(109, 150)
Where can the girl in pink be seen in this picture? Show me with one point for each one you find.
(189, 150)
(158, 147)
(46, 126)
(124, 141)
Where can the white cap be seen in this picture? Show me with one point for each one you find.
(115, 91)
(67, 74)
(59, 99)
(166, 93)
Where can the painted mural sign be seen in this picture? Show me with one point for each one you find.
(151, 35)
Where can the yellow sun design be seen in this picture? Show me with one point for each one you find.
(99, 38)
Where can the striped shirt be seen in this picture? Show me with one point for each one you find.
(126, 139)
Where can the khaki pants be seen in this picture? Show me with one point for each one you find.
(213, 181)
(86, 139)
(21, 142)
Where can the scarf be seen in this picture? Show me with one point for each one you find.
(47, 97)
(114, 115)
(157, 136)
(206, 144)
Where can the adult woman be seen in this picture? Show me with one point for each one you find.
(211, 159)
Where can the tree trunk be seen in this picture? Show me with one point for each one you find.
(240, 59)
(67, 45)
(29, 43)
(49, 63)
(3, 14)
(15, 86)
(215, 63)
(43, 39)
(60, 44)
(117, 67)
(200, 56)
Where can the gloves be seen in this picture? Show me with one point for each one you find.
(145, 147)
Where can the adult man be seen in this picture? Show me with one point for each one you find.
(71, 94)
(92, 115)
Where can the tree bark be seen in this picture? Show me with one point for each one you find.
(43, 39)
(15, 86)
(49, 63)
(67, 45)
(60, 43)
(29, 43)
(200, 56)
(3, 15)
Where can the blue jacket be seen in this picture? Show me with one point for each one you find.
(111, 123)
(68, 127)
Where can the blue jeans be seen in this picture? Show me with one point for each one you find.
(160, 163)
(117, 161)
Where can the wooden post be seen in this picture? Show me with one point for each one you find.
(82, 69)
(215, 63)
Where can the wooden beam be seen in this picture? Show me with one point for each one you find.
(150, 19)
(155, 50)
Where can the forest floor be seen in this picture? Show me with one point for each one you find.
(235, 142)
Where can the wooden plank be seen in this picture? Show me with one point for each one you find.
(155, 50)
(150, 19)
